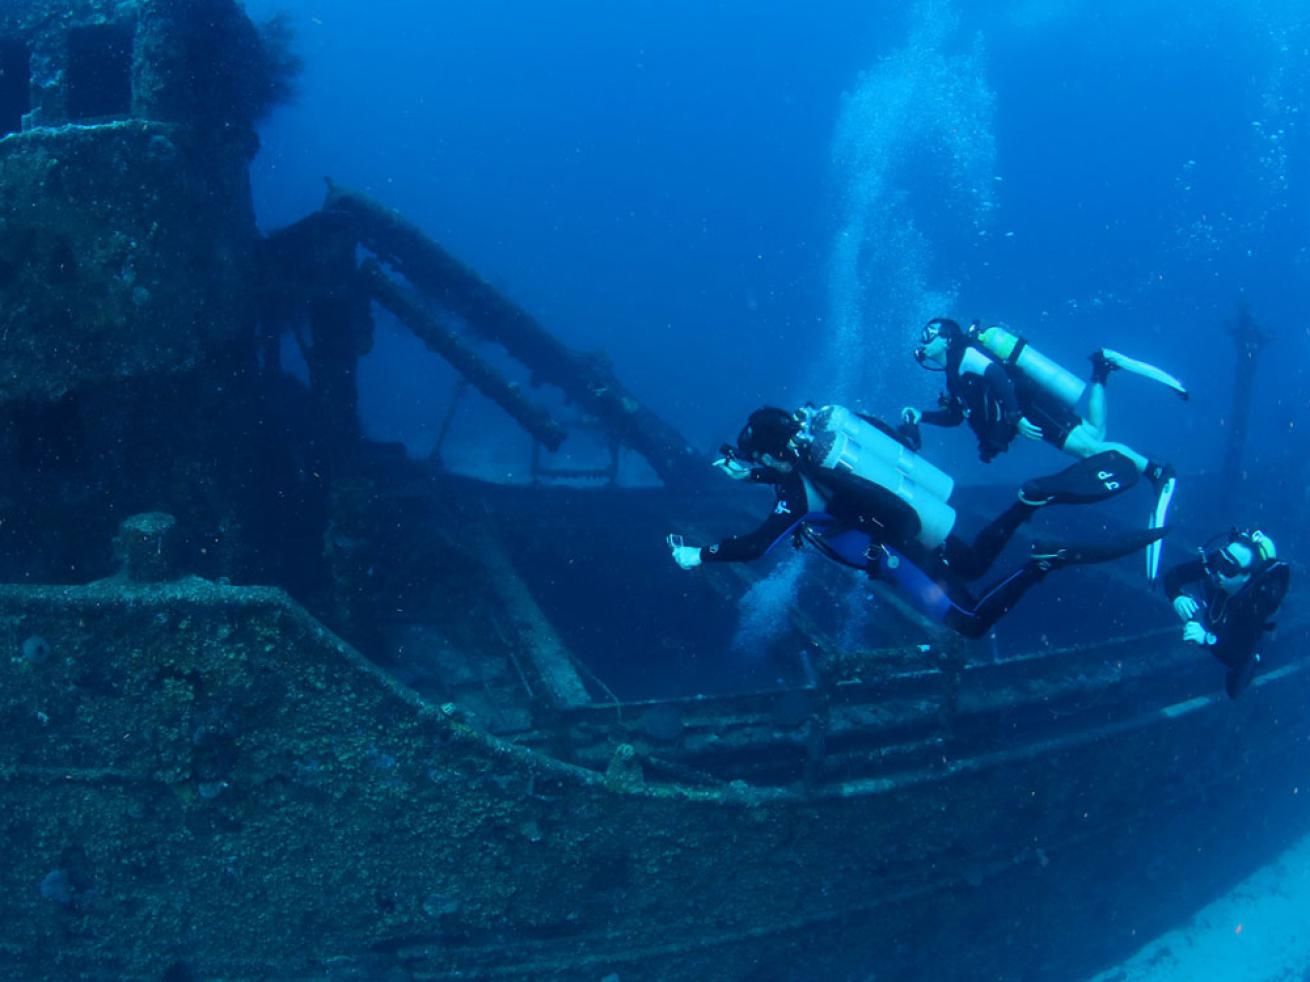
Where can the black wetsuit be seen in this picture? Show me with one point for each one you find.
(993, 402)
(869, 529)
(1236, 620)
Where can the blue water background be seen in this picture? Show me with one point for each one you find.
(661, 181)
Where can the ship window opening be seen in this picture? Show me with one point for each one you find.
(99, 72)
(15, 85)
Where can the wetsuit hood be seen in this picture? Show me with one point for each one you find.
(768, 430)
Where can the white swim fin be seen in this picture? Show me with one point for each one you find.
(1164, 482)
(1145, 370)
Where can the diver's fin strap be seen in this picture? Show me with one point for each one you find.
(1146, 370)
(1114, 547)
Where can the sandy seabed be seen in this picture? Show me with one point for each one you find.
(1258, 932)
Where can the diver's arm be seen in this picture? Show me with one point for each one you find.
(780, 523)
(753, 545)
(951, 413)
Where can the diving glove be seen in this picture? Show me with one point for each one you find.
(688, 557)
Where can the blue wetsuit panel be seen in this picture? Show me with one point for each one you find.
(923, 593)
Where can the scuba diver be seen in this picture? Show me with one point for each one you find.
(1237, 584)
(1003, 387)
(847, 485)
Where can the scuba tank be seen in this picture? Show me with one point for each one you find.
(839, 441)
(1058, 382)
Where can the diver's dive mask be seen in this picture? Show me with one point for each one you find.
(931, 332)
(1221, 562)
(1217, 558)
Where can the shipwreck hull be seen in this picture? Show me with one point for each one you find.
(201, 778)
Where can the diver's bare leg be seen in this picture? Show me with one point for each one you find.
(1096, 410)
(1083, 442)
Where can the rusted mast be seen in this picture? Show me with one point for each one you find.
(1250, 339)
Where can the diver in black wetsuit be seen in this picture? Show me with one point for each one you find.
(1237, 585)
(1000, 399)
(979, 390)
(870, 514)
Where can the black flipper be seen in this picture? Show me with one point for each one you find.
(1093, 479)
(1240, 676)
(1054, 555)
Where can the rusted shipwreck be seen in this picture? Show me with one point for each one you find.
(418, 755)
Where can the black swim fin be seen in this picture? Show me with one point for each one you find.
(1054, 555)
(1240, 676)
(1093, 479)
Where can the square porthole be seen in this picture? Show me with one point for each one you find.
(99, 75)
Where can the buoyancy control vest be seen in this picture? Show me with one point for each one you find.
(1054, 380)
(842, 449)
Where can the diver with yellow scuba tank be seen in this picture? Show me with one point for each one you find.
(847, 484)
(1226, 597)
(1003, 387)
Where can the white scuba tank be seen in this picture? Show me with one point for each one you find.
(1054, 380)
(840, 441)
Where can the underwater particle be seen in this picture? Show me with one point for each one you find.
(530, 830)
(57, 887)
(35, 649)
(209, 790)
(441, 905)
(1238, 929)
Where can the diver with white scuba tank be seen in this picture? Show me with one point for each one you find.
(1002, 387)
(848, 485)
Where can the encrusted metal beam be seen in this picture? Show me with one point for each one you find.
(588, 380)
(415, 314)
